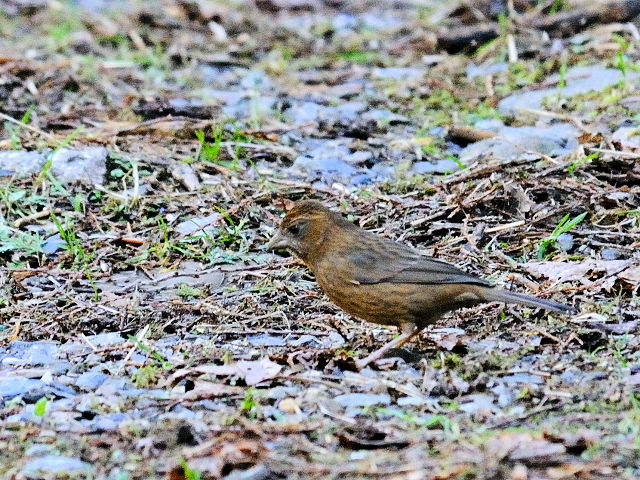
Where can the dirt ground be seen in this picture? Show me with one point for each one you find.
(148, 151)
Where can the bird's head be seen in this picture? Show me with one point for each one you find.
(305, 228)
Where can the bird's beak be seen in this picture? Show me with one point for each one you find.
(278, 241)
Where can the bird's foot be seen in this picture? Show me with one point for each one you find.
(379, 353)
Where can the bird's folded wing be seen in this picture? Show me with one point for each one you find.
(410, 268)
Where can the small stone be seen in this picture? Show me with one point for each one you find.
(610, 254)
(522, 378)
(438, 166)
(34, 353)
(565, 242)
(20, 164)
(289, 405)
(306, 340)
(519, 472)
(53, 244)
(91, 380)
(38, 450)
(479, 404)
(106, 339)
(52, 465)
(359, 157)
(198, 225)
(398, 73)
(185, 174)
(88, 166)
(363, 399)
(108, 422)
(14, 386)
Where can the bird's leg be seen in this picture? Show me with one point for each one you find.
(395, 343)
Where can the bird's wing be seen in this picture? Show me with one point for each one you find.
(400, 264)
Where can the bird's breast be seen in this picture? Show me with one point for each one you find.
(379, 303)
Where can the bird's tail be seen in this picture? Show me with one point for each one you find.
(498, 295)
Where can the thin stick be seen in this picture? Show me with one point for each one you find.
(139, 337)
(506, 226)
(616, 152)
(34, 216)
(25, 125)
(93, 347)
(395, 343)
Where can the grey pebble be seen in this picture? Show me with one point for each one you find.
(363, 399)
(52, 464)
(91, 380)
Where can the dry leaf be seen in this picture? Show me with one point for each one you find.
(252, 372)
(582, 271)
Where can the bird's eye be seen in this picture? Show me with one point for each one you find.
(294, 229)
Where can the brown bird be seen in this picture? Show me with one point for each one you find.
(382, 281)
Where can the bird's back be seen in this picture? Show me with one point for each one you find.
(386, 282)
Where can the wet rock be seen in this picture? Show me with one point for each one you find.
(348, 111)
(375, 21)
(97, 6)
(91, 380)
(13, 386)
(572, 376)
(279, 392)
(30, 353)
(344, 21)
(516, 143)
(559, 139)
(333, 340)
(257, 79)
(309, 340)
(228, 97)
(578, 80)
(113, 387)
(38, 450)
(363, 399)
(53, 465)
